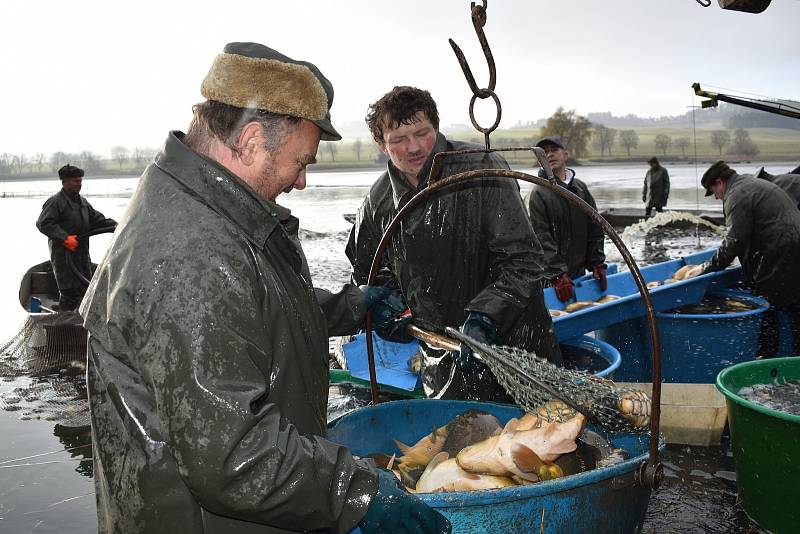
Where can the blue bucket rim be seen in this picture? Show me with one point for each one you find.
(462, 499)
(762, 302)
(760, 408)
(584, 340)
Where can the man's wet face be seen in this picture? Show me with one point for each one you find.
(409, 145)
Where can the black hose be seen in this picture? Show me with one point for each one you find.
(69, 255)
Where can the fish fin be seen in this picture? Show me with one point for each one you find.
(526, 460)
(402, 446)
(391, 462)
(511, 426)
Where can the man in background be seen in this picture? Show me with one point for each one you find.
(466, 256)
(572, 242)
(66, 216)
(789, 182)
(764, 233)
(656, 187)
(208, 349)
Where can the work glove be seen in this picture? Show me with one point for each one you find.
(479, 327)
(71, 242)
(599, 273)
(563, 286)
(390, 317)
(394, 510)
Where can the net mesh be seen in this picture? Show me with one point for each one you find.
(616, 408)
(42, 370)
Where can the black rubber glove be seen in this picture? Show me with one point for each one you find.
(479, 327)
(394, 510)
(389, 313)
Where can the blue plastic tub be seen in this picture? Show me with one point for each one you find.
(603, 500)
(694, 348)
(630, 305)
(600, 349)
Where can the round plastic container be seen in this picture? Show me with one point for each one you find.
(694, 347)
(766, 445)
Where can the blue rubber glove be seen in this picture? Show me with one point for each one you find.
(394, 510)
(387, 313)
(479, 327)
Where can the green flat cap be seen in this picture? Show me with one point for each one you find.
(719, 170)
(251, 75)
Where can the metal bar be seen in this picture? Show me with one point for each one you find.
(432, 339)
(777, 108)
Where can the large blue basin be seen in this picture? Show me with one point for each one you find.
(603, 500)
(694, 347)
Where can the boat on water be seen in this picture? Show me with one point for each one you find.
(50, 339)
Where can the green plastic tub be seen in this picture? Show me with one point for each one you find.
(766, 445)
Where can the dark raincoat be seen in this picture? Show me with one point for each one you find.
(764, 233)
(467, 248)
(788, 182)
(208, 365)
(572, 243)
(656, 188)
(61, 216)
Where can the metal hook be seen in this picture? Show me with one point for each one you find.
(478, 21)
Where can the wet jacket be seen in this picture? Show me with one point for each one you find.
(63, 215)
(788, 182)
(764, 233)
(208, 365)
(572, 243)
(467, 248)
(656, 187)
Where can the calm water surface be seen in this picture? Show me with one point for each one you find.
(45, 467)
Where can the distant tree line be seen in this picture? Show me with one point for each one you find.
(18, 164)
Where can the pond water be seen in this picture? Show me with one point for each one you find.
(45, 454)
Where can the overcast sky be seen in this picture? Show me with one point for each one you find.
(83, 75)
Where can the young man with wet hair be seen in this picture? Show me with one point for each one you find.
(467, 256)
(65, 219)
(764, 233)
(208, 348)
(572, 242)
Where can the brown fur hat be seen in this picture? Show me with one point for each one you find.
(251, 75)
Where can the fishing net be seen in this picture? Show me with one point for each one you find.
(42, 370)
(534, 381)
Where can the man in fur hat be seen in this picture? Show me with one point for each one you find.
(764, 233)
(208, 347)
(66, 216)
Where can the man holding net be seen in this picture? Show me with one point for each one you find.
(467, 256)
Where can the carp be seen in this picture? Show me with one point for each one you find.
(444, 474)
(579, 305)
(525, 448)
(607, 298)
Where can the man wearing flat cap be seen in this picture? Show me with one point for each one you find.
(764, 233)
(572, 242)
(66, 219)
(207, 356)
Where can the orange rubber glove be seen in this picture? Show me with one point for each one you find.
(599, 273)
(71, 242)
(563, 286)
